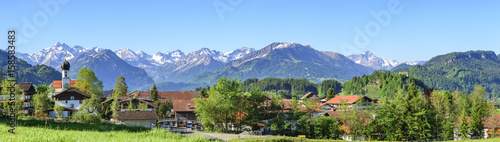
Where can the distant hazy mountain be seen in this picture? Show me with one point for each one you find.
(287, 60)
(107, 67)
(367, 59)
(460, 70)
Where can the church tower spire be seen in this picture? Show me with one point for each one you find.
(65, 78)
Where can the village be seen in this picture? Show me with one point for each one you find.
(140, 108)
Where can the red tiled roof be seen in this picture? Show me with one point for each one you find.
(182, 105)
(58, 83)
(347, 99)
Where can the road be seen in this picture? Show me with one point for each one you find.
(220, 136)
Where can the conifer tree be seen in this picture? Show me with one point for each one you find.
(153, 94)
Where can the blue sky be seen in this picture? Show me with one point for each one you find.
(419, 31)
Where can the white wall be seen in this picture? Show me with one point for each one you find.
(76, 103)
(141, 123)
(63, 114)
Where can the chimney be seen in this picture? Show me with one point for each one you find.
(189, 106)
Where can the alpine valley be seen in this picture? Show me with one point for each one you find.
(176, 70)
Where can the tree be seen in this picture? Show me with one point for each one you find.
(464, 127)
(115, 105)
(444, 118)
(19, 97)
(88, 82)
(219, 109)
(327, 127)
(130, 106)
(330, 94)
(153, 94)
(58, 109)
(416, 113)
(89, 111)
(42, 103)
(203, 93)
(164, 109)
(42, 89)
(121, 87)
(390, 117)
(143, 106)
(478, 110)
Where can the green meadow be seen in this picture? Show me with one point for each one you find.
(29, 130)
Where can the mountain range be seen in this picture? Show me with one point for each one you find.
(369, 60)
(282, 60)
(287, 60)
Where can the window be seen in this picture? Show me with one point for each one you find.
(27, 97)
(72, 97)
(72, 105)
(66, 101)
(80, 101)
(27, 104)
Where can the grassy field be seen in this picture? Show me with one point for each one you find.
(295, 139)
(37, 130)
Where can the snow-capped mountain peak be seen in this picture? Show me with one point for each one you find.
(369, 60)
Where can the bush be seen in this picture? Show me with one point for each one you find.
(87, 117)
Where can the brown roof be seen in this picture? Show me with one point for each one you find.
(72, 91)
(331, 113)
(287, 103)
(308, 95)
(58, 83)
(182, 105)
(119, 99)
(348, 99)
(27, 87)
(140, 100)
(168, 95)
(136, 115)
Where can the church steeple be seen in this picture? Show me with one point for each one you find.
(65, 78)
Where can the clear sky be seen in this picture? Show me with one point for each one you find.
(416, 30)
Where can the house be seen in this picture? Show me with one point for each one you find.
(345, 124)
(137, 118)
(184, 111)
(491, 126)
(70, 99)
(135, 104)
(106, 94)
(311, 95)
(29, 91)
(349, 101)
